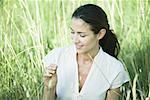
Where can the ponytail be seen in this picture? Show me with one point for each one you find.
(110, 44)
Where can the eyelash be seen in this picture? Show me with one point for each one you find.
(72, 32)
(80, 34)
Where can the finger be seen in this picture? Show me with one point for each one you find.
(52, 66)
(51, 71)
(48, 75)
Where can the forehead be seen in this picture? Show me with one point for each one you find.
(79, 24)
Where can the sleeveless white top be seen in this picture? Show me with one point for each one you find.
(106, 73)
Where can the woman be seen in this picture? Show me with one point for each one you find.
(88, 69)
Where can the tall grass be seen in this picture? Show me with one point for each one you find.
(31, 28)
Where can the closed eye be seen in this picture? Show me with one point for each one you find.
(72, 32)
(81, 35)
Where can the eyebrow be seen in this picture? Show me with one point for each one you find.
(77, 32)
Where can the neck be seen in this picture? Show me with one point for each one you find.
(87, 56)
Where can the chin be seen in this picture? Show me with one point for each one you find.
(81, 52)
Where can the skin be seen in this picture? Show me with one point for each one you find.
(50, 81)
(87, 43)
(113, 94)
(83, 38)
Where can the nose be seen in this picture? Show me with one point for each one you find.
(75, 38)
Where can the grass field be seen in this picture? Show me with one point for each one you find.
(31, 28)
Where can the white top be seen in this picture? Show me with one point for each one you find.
(106, 73)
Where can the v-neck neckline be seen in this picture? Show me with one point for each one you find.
(88, 76)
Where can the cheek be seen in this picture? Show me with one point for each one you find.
(87, 41)
(92, 42)
(71, 36)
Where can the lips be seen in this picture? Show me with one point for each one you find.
(79, 46)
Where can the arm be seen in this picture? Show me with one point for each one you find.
(49, 94)
(50, 81)
(113, 94)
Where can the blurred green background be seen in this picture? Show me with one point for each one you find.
(29, 29)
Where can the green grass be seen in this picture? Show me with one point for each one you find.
(31, 28)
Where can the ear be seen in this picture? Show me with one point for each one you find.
(101, 33)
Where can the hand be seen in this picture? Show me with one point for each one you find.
(50, 76)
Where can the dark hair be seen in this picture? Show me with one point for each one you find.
(97, 19)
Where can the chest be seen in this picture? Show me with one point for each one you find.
(83, 71)
(91, 82)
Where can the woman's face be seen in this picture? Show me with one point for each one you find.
(84, 38)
